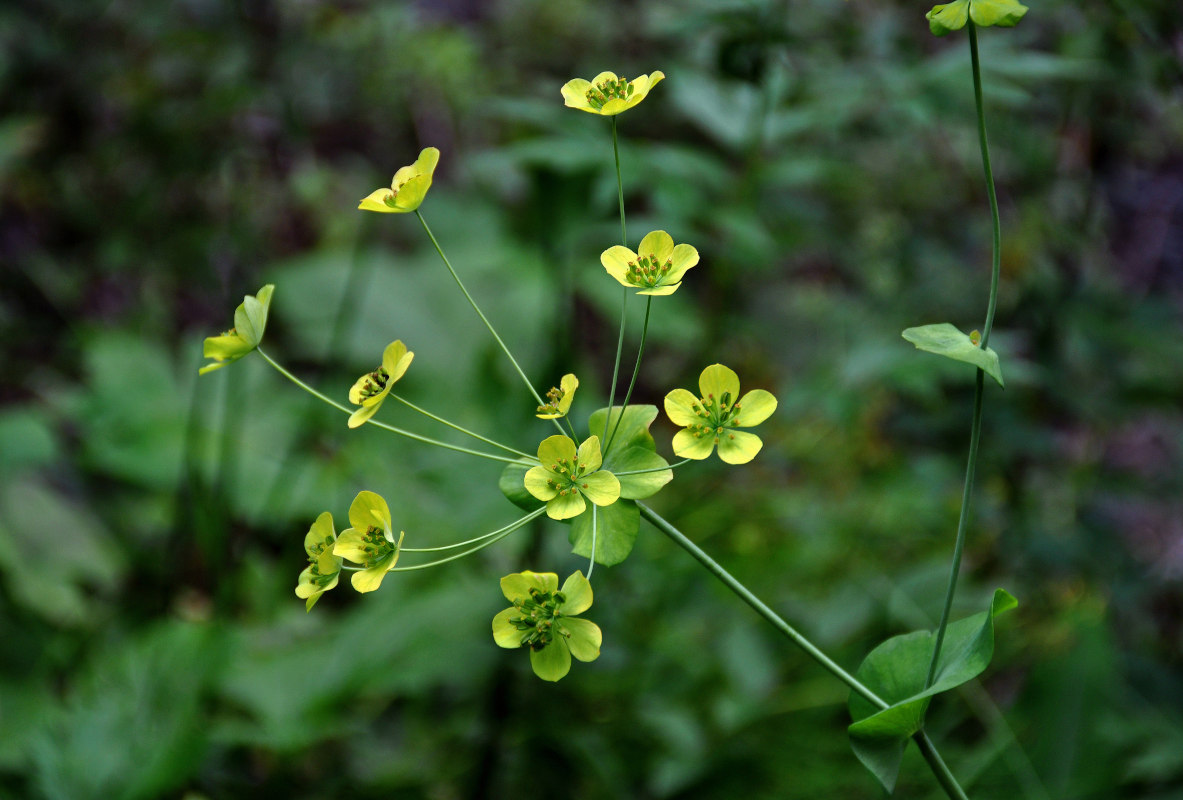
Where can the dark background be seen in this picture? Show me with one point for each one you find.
(160, 160)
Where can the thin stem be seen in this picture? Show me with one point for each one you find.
(507, 531)
(655, 469)
(927, 748)
(480, 313)
(962, 525)
(619, 184)
(939, 768)
(592, 562)
(633, 382)
(996, 260)
(384, 426)
(624, 293)
(979, 385)
(769, 615)
(456, 427)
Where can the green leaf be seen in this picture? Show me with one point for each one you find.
(512, 484)
(945, 340)
(634, 459)
(616, 531)
(632, 432)
(896, 671)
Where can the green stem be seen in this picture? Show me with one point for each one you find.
(633, 382)
(513, 526)
(979, 385)
(939, 768)
(456, 427)
(624, 294)
(655, 469)
(943, 775)
(767, 613)
(480, 313)
(591, 564)
(507, 531)
(996, 242)
(384, 426)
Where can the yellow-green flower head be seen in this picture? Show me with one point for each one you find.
(542, 618)
(985, 13)
(566, 476)
(250, 319)
(371, 389)
(607, 94)
(408, 188)
(370, 541)
(324, 567)
(656, 269)
(711, 419)
(558, 399)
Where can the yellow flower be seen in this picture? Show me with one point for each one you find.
(371, 389)
(559, 399)
(544, 618)
(370, 542)
(607, 94)
(657, 269)
(408, 188)
(250, 320)
(711, 419)
(566, 476)
(948, 17)
(324, 567)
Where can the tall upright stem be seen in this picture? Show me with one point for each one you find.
(979, 384)
(633, 381)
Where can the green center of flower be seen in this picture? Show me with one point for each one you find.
(537, 621)
(374, 383)
(391, 200)
(715, 415)
(567, 476)
(317, 578)
(318, 549)
(604, 91)
(553, 397)
(374, 546)
(647, 271)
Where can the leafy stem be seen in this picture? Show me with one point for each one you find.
(943, 775)
(384, 426)
(979, 384)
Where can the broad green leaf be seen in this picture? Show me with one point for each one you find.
(512, 484)
(636, 459)
(945, 340)
(616, 531)
(633, 430)
(896, 671)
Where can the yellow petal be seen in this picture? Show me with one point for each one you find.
(738, 447)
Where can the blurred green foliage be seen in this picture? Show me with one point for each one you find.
(159, 161)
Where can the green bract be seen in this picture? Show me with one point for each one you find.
(945, 340)
(250, 319)
(371, 389)
(558, 399)
(566, 476)
(949, 17)
(542, 618)
(712, 418)
(370, 541)
(321, 573)
(657, 268)
(607, 94)
(407, 189)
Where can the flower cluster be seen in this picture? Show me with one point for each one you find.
(407, 189)
(607, 94)
(656, 269)
(566, 476)
(371, 389)
(559, 398)
(250, 320)
(711, 418)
